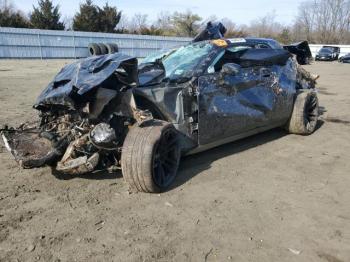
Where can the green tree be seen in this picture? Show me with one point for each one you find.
(186, 24)
(87, 19)
(152, 30)
(46, 16)
(284, 37)
(109, 18)
(94, 19)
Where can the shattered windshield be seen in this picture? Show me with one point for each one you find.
(156, 56)
(181, 62)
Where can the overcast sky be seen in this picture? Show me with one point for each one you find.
(240, 12)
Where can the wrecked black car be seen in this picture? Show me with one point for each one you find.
(107, 112)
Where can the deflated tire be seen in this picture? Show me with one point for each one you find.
(305, 113)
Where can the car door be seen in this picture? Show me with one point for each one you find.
(239, 101)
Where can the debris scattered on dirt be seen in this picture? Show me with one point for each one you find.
(294, 251)
(101, 222)
(168, 204)
(31, 247)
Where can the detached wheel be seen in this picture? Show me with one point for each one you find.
(305, 114)
(94, 49)
(151, 156)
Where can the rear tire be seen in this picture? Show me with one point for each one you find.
(305, 114)
(150, 157)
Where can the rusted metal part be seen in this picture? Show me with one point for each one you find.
(29, 148)
(72, 163)
(78, 166)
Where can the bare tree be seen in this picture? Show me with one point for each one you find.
(123, 25)
(165, 23)
(265, 26)
(186, 24)
(233, 30)
(324, 21)
(6, 5)
(138, 22)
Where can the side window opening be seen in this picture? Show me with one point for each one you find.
(263, 46)
(230, 55)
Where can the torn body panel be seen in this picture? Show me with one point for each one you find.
(301, 50)
(82, 96)
(172, 104)
(255, 97)
(29, 148)
(75, 80)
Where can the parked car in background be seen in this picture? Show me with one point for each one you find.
(335, 49)
(345, 58)
(328, 53)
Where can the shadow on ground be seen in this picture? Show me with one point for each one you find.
(190, 166)
(193, 165)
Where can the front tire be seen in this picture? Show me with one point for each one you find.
(305, 114)
(150, 157)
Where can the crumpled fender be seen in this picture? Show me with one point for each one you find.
(85, 75)
(301, 50)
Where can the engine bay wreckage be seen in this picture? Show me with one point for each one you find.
(109, 112)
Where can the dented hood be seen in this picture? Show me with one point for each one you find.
(84, 75)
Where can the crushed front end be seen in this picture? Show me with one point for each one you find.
(84, 116)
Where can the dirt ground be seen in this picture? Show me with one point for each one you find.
(271, 197)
